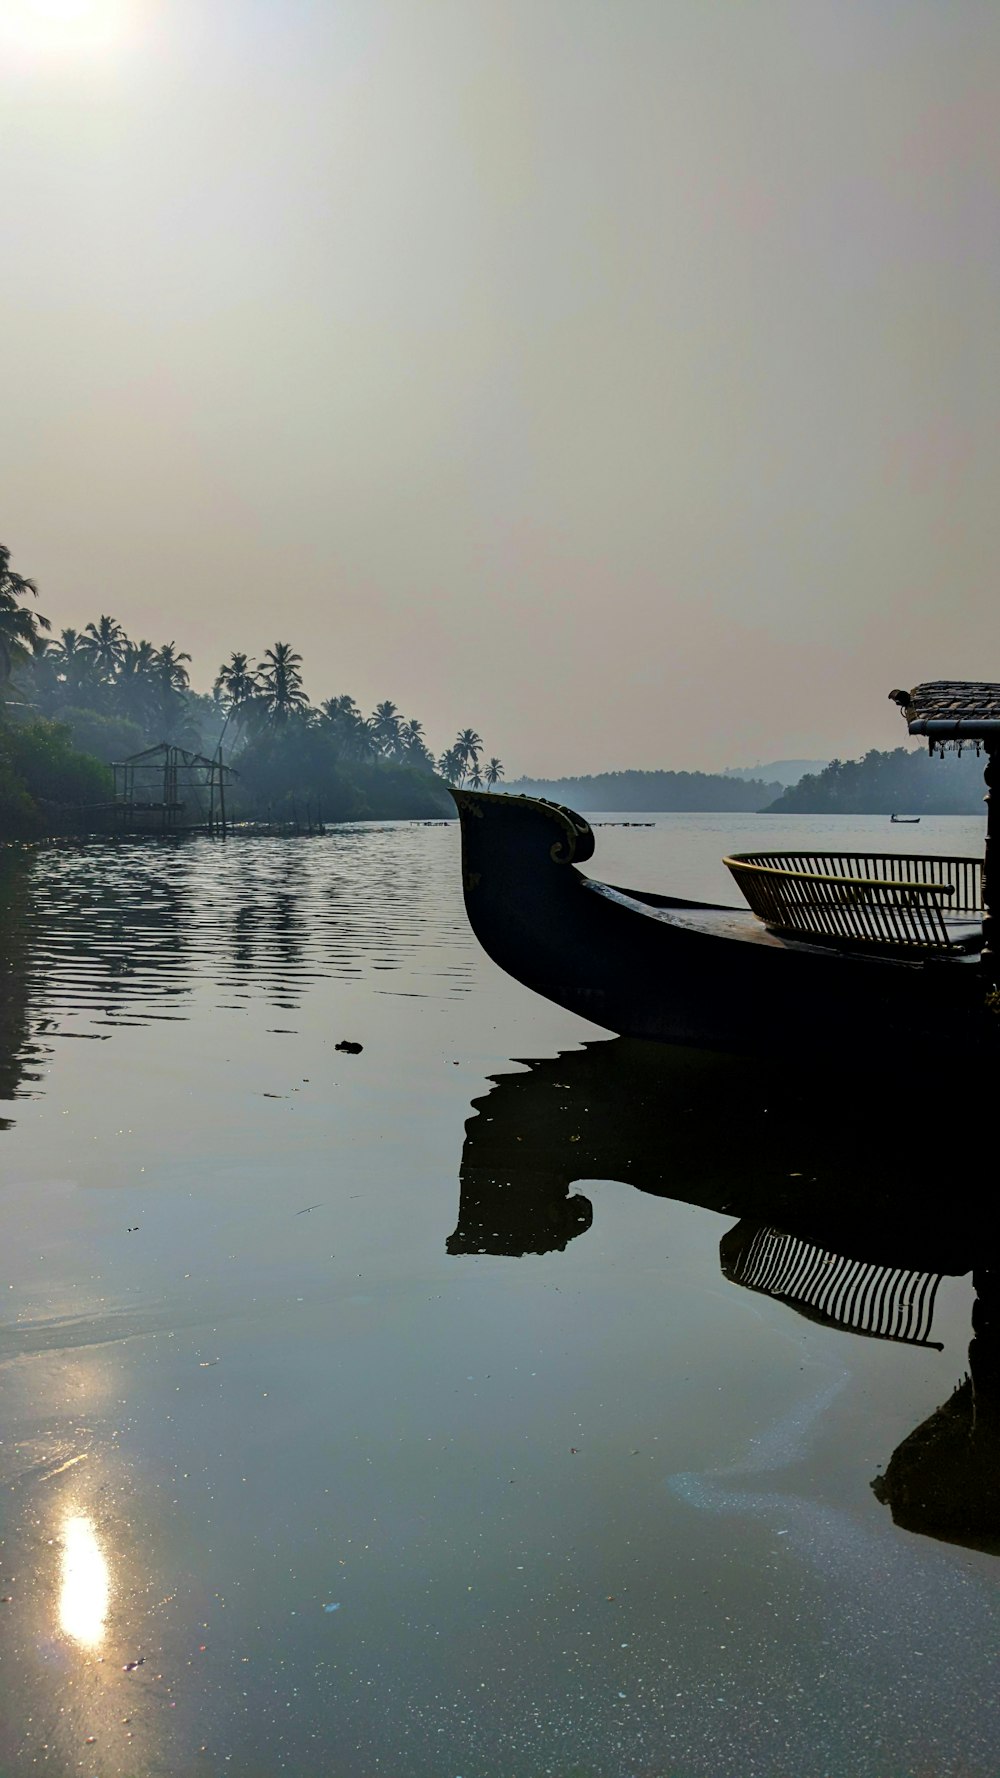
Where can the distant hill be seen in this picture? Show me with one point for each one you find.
(781, 771)
(659, 792)
(900, 782)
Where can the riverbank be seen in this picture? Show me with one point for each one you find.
(50, 789)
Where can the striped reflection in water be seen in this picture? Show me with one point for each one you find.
(883, 1301)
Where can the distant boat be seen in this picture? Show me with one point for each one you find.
(905, 820)
(833, 949)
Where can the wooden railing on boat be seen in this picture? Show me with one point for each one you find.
(892, 900)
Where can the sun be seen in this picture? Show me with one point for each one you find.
(33, 31)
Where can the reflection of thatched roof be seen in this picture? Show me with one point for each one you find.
(951, 709)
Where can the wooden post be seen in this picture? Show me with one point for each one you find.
(991, 868)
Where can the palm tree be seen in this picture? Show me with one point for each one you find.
(493, 773)
(475, 775)
(414, 744)
(69, 666)
(467, 746)
(170, 680)
(385, 723)
(104, 643)
(67, 649)
(138, 659)
(279, 682)
(138, 689)
(168, 668)
(235, 684)
(19, 627)
(351, 733)
(451, 766)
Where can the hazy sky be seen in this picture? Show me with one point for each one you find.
(618, 376)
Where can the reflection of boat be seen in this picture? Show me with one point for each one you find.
(817, 1155)
(839, 1220)
(844, 948)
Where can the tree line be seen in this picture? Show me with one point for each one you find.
(649, 792)
(903, 781)
(115, 696)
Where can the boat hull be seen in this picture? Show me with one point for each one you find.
(681, 972)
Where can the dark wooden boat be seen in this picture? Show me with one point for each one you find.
(852, 949)
(905, 820)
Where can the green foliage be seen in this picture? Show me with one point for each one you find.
(282, 769)
(902, 782)
(115, 697)
(107, 737)
(43, 778)
(20, 627)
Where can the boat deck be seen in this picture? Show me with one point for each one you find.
(739, 923)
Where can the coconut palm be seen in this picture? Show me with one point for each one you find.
(66, 648)
(138, 689)
(235, 684)
(104, 644)
(351, 734)
(19, 627)
(139, 660)
(451, 766)
(476, 775)
(467, 746)
(414, 744)
(385, 724)
(279, 681)
(168, 669)
(493, 773)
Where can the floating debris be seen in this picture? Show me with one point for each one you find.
(350, 1049)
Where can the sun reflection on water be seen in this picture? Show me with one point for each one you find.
(86, 1582)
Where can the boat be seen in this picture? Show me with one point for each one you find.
(904, 820)
(829, 950)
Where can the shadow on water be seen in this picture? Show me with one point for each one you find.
(855, 1196)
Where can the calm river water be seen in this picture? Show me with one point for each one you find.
(398, 1412)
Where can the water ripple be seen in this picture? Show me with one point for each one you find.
(109, 935)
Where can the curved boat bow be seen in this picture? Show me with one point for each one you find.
(660, 967)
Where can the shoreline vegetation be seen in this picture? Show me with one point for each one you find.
(657, 792)
(72, 705)
(903, 781)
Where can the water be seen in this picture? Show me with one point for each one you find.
(339, 1438)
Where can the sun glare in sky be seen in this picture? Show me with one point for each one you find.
(64, 31)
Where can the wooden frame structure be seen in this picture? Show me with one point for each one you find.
(167, 789)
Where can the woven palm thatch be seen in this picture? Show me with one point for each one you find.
(951, 710)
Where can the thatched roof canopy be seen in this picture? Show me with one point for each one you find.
(952, 710)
